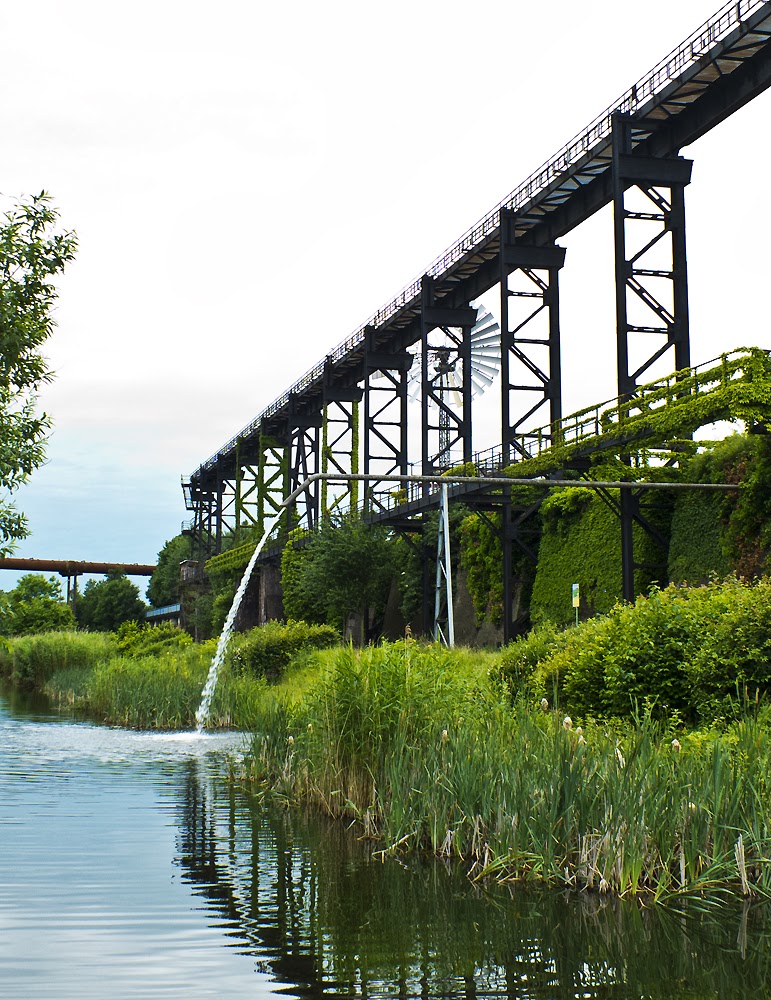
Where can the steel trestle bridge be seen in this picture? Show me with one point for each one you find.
(349, 413)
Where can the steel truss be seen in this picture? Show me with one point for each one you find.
(446, 385)
(385, 415)
(340, 446)
(201, 502)
(304, 460)
(272, 479)
(530, 334)
(531, 371)
(444, 621)
(651, 280)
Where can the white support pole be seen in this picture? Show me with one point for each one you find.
(448, 567)
(443, 592)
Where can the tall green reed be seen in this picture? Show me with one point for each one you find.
(420, 746)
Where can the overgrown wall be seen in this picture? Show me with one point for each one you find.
(581, 543)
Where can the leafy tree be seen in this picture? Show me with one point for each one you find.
(31, 255)
(163, 588)
(34, 605)
(346, 569)
(108, 603)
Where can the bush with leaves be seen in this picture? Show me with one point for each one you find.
(32, 254)
(696, 652)
(34, 605)
(519, 660)
(344, 568)
(106, 604)
(143, 639)
(268, 650)
(163, 588)
(732, 663)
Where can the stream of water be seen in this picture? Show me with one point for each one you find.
(129, 868)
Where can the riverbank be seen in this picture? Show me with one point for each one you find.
(423, 749)
(148, 683)
(610, 757)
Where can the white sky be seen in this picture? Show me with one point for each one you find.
(249, 181)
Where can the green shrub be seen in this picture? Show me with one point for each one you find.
(733, 660)
(143, 639)
(520, 658)
(266, 651)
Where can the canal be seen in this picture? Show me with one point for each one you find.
(130, 868)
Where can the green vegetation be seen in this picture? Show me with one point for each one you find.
(163, 588)
(345, 568)
(268, 651)
(152, 676)
(424, 750)
(34, 605)
(30, 661)
(700, 653)
(580, 543)
(106, 604)
(32, 254)
(736, 386)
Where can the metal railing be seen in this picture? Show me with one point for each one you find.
(638, 100)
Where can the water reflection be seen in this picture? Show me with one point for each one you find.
(316, 910)
(129, 867)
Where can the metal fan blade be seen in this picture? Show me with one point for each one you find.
(485, 351)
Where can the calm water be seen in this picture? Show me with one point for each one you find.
(128, 868)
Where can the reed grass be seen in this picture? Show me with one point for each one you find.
(29, 661)
(422, 749)
(160, 690)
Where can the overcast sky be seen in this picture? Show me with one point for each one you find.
(249, 181)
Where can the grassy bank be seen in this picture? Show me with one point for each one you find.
(424, 749)
(142, 684)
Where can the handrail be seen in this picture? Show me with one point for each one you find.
(595, 136)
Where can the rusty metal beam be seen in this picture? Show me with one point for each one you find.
(68, 568)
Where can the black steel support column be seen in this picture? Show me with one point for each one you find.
(530, 358)
(445, 382)
(340, 444)
(304, 460)
(651, 294)
(219, 497)
(385, 413)
(531, 369)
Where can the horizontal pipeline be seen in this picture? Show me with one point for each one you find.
(592, 484)
(65, 568)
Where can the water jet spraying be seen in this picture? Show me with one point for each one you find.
(202, 715)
